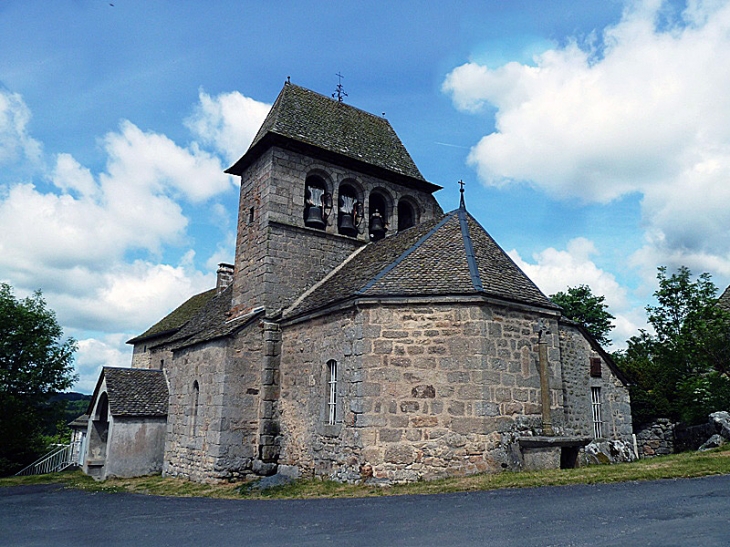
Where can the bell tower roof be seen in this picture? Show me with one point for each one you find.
(303, 119)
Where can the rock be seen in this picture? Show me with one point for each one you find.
(271, 481)
(721, 420)
(609, 452)
(713, 442)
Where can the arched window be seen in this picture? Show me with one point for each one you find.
(194, 400)
(379, 214)
(349, 211)
(406, 215)
(331, 392)
(317, 202)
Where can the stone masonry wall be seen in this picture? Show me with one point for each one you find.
(449, 386)
(221, 441)
(656, 439)
(577, 383)
(307, 442)
(426, 391)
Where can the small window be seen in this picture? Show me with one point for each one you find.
(595, 367)
(250, 215)
(195, 396)
(596, 408)
(331, 392)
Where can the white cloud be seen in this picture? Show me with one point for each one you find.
(15, 142)
(94, 353)
(228, 122)
(555, 270)
(645, 114)
(128, 297)
(73, 241)
(73, 238)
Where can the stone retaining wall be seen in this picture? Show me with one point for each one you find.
(656, 439)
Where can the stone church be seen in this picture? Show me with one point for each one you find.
(361, 335)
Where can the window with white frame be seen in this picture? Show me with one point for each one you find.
(596, 408)
(331, 392)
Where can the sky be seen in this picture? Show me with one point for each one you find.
(593, 138)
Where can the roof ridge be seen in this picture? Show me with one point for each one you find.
(405, 253)
(348, 105)
(471, 260)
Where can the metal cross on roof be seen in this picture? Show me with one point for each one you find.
(339, 93)
(462, 205)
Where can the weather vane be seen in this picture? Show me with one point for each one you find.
(339, 93)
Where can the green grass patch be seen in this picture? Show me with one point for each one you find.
(689, 464)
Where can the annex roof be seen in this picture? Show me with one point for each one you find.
(133, 391)
(450, 256)
(210, 322)
(306, 117)
(176, 319)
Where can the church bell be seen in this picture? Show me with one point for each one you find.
(346, 224)
(314, 218)
(377, 227)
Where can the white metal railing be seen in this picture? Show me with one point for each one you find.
(56, 460)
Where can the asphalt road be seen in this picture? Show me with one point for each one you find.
(668, 513)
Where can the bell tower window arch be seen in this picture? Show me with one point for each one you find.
(317, 202)
(407, 214)
(349, 209)
(378, 214)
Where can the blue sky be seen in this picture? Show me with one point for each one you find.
(593, 138)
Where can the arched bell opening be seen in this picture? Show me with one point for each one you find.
(407, 215)
(349, 211)
(379, 214)
(317, 202)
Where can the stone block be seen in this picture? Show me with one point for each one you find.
(424, 421)
(400, 454)
(409, 406)
(455, 408)
(423, 392)
(390, 435)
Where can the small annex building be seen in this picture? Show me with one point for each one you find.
(361, 334)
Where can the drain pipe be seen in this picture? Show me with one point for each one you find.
(547, 422)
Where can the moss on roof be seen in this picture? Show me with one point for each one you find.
(302, 115)
(176, 319)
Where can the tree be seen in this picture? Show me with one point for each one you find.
(582, 306)
(681, 371)
(35, 364)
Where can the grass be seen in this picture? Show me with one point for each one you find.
(689, 464)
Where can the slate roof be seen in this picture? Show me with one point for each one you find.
(134, 391)
(301, 115)
(176, 319)
(450, 256)
(210, 322)
(724, 300)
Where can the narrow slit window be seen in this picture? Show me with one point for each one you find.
(596, 408)
(332, 392)
(195, 396)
